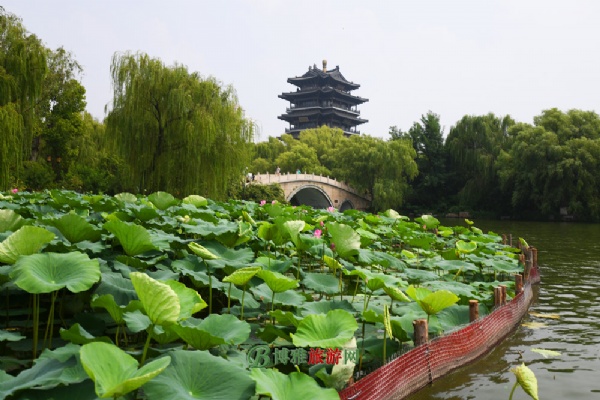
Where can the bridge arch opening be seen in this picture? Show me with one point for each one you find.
(310, 195)
(346, 205)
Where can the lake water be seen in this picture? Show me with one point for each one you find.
(569, 260)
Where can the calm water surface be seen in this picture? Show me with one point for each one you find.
(569, 259)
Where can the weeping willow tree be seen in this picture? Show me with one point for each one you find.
(176, 131)
(22, 69)
(473, 146)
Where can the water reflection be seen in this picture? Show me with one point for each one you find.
(569, 256)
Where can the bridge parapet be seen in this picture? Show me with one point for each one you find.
(292, 177)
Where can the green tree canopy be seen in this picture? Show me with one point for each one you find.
(22, 70)
(175, 130)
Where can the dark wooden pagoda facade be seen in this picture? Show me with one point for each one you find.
(322, 98)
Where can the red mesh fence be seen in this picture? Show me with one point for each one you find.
(430, 361)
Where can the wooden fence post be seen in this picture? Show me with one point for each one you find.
(421, 331)
(497, 297)
(518, 284)
(502, 295)
(473, 310)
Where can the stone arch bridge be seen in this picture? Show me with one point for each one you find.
(316, 191)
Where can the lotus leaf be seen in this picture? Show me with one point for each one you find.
(202, 252)
(213, 330)
(77, 335)
(277, 282)
(321, 283)
(241, 276)
(10, 221)
(75, 228)
(10, 336)
(49, 272)
(135, 239)
(466, 247)
(432, 302)
(527, 380)
(288, 298)
(325, 330)
(162, 200)
(51, 369)
(25, 241)
(160, 302)
(114, 372)
(396, 294)
(126, 197)
(200, 375)
(323, 307)
(195, 200)
(190, 301)
(346, 240)
(270, 382)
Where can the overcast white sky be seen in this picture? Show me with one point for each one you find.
(453, 57)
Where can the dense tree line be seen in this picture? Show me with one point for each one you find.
(168, 129)
(174, 130)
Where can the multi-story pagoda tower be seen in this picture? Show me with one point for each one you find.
(322, 98)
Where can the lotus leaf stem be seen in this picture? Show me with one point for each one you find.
(146, 345)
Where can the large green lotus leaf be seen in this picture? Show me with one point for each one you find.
(48, 272)
(233, 239)
(466, 247)
(25, 241)
(527, 380)
(241, 276)
(323, 307)
(126, 197)
(509, 267)
(10, 221)
(195, 200)
(321, 283)
(208, 230)
(10, 336)
(432, 303)
(286, 318)
(143, 212)
(345, 239)
(160, 302)
(75, 228)
(51, 369)
(107, 301)
(277, 282)
(332, 263)
(200, 375)
(78, 335)
(64, 197)
(189, 299)
(135, 239)
(396, 294)
(162, 200)
(288, 298)
(136, 321)
(114, 284)
(453, 265)
(226, 326)
(280, 266)
(325, 330)
(202, 251)
(213, 331)
(429, 221)
(236, 258)
(270, 382)
(114, 372)
(420, 275)
(463, 290)
(293, 229)
(373, 257)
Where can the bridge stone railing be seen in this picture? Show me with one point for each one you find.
(292, 177)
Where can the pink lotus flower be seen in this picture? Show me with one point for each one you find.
(274, 201)
(322, 224)
(330, 209)
(15, 190)
(318, 233)
(263, 202)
